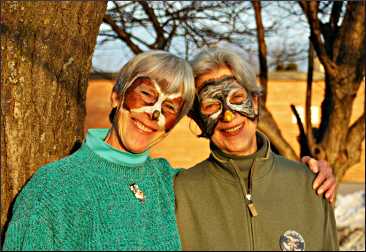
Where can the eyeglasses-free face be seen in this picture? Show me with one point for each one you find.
(148, 96)
(146, 113)
(222, 95)
(227, 111)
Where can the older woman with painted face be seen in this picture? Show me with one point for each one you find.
(110, 195)
(244, 197)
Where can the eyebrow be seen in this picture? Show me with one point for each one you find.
(214, 81)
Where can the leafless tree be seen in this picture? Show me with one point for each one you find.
(144, 25)
(337, 34)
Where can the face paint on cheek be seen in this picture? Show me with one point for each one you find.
(223, 91)
(217, 92)
(157, 108)
(171, 118)
(132, 99)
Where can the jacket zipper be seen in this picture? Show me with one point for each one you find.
(250, 210)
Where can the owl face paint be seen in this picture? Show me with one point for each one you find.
(219, 96)
(149, 97)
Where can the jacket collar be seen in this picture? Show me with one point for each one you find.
(262, 158)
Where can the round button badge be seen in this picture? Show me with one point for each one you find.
(292, 241)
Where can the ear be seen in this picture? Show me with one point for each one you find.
(115, 99)
(256, 103)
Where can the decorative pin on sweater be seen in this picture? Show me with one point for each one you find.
(137, 192)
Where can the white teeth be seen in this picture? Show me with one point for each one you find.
(142, 127)
(234, 128)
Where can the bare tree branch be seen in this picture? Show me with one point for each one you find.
(310, 9)
(304, 151)
(335, 15)
(262, 48)
(351, 34)
(356, 134)
(160, 38)
(309, 84)
(122, 34)
(268, 125)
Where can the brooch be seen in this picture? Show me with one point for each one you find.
(292, 241)
(137, 192)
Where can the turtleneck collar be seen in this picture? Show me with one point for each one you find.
(224, 169)
(95, 141)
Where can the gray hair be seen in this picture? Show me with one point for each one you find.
(209, 59)
(159, 65)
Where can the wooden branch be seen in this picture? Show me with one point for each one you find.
(262, 49)
(304, 148)
(171, 35)
(309, 84)
(123, 35)
(310, 9)
(268, 126)
(356, 134)
(160, 38)
(335, 14)
(351, 34)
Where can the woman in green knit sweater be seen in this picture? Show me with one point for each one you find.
(110, 195)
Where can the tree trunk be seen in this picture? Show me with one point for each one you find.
(341, 50)
(46, 57)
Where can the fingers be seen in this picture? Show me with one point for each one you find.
(325, 173)
(330, 194)
(326, 186)
(311, 163)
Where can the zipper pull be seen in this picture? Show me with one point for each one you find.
(251, 206)
(252, 209)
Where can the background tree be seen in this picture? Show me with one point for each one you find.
(204, 23)
(143, 25)
(337, 34)
(46, 52)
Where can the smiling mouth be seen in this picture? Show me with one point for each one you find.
(233, 130)
(143, 127)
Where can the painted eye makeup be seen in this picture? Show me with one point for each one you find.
(169, 107)
(147, 95)
(210, 106)
(238, 96)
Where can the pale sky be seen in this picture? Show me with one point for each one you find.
(111, 56)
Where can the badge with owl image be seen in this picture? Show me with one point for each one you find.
(292, 241)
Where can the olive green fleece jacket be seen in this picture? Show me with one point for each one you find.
(212, 213)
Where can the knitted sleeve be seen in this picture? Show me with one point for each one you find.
(28, 228)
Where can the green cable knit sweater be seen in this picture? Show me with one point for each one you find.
(83, 202)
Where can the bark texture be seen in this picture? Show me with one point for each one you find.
(46, 57)
(341, 50)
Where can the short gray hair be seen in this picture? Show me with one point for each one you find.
(209, 59)
(159, 65)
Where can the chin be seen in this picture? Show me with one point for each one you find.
(136, 149)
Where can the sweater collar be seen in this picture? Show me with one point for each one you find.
(95, 141)
(224, 169)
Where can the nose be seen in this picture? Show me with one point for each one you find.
(228, 116)
(155, 115)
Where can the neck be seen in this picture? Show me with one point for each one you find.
(112, 140)
(251, 148)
